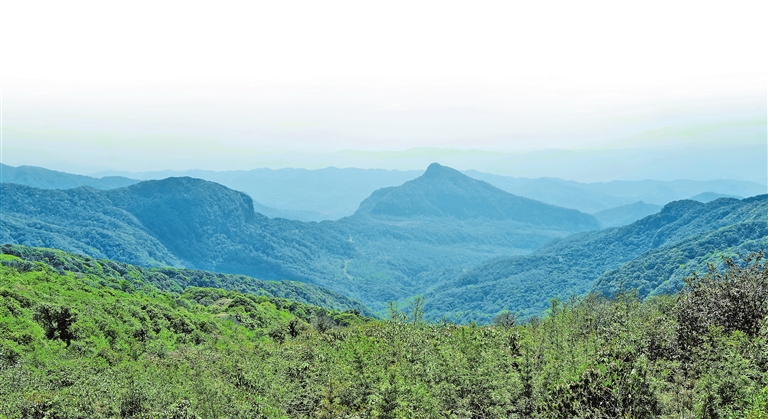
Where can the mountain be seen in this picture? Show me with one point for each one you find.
(81, 220)
(300, 194)
(445, 192)
(661, 270)
(626, 214)
(569, 266)
(711, 196)
(180, 222)
(373, 255)
(39, 177)
(332, 193)
(564, 193)
(442, 222)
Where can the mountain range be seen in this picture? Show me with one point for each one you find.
(333, 193)
(471, 248)
(651, 255)
(382, 252)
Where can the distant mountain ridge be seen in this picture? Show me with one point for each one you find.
(39, 177)
(333, 193)
(445, 192)
(626, 214)
(599, 196)
(711, 196)
(301, 194)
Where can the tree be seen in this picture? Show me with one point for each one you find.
(56, 321)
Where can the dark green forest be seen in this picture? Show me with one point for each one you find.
(79, 344)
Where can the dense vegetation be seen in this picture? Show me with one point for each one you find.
(661, 271)
(176, 280)
(73, 346)
(686, 233)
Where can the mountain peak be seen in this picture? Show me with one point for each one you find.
(437, 168)
(445, 192)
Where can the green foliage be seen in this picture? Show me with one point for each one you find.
(127, 277)
(213, 353)
(731, 301)
(56, 321)
(662, 270)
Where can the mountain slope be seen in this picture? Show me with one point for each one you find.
(661, 270)
(445, 192)
(174, 222)
(598, 196)
(626, 214)
(554, 191)
(711, 196)
(569, 266)
(39, 177)
(80, 220)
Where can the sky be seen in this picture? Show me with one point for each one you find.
(150, 85)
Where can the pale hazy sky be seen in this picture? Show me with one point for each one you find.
(147, 85)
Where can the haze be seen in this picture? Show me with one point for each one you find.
(659, 90)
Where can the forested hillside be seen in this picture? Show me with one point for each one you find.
(686, 230)
(661, 271)
(81, 220)
(76, 345)
(177, 280)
